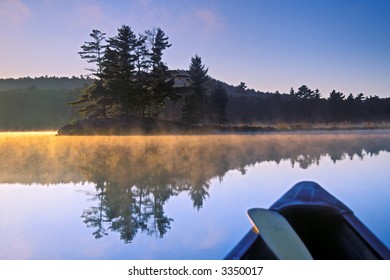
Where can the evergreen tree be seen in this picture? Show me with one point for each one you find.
(158, 42)
(120, 69)
(159, 84)
(336, 96)
(93, 51)
(194, 108)
(142, 55)
(317, 94)
(305, 93)
(94, 102)
(360, 97)
(218, 102)
(336, 106)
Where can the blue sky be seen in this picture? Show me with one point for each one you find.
(268, 44)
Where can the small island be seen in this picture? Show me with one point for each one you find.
(134, 92)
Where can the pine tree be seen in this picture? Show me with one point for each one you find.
(159, 44)
(194, 108)
(93, 51)
(217, 104)
(120, 69)
(94, 101)
(142, 55)
(159, 84)
(305, 93)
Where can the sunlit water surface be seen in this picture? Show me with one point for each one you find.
(173, 197)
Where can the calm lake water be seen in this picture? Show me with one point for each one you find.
(173, 197)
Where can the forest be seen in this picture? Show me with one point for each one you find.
(129, 82)
(45, 82)
(307, 106)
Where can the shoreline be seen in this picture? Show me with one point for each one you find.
(147, 127)
(209, 133)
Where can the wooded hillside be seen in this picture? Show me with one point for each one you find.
(35, 108)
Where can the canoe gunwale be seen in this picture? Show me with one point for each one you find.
(367, 236)
(243, 246)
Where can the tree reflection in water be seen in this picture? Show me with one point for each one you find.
(136, 175)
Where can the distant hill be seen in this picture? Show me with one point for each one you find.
(45, 83)
(182, 79)
(38, 103)
(36, 109)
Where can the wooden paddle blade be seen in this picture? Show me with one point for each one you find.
(278, 234)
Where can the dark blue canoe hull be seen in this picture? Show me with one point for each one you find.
(328, 228)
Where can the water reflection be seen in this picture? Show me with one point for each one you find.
(128, 210)
(135, 176)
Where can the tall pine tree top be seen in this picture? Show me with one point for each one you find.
(93, 51)
(158, 43)
(197, 71)
(124, 45)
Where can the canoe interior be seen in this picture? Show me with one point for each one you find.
(327, 227)
(325, 232)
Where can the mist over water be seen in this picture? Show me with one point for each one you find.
(159, 197)
(46, 159)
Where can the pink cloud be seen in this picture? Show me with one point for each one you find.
(88, 14)
(210, 22)
(204, 23)
(13, 10)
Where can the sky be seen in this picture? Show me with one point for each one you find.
(268, 44)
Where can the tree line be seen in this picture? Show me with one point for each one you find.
(133, 81)
(45, 82)
(305, 105)
(35, 108)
